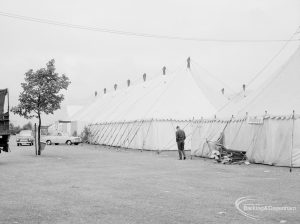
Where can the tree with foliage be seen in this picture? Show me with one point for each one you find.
(27, 126)
(14, 129)
(85, 135)
(41, 94)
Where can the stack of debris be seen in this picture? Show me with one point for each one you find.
(224, 155)
(232, 156)
(228, 156)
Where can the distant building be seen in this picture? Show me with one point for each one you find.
(65, 127)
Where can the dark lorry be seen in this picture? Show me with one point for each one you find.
(4, 120)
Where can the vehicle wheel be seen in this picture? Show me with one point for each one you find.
(68, 142)
(48, 142)
(75, 143)
(18, 144)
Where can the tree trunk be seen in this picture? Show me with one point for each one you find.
(35, 141)
(39, 134)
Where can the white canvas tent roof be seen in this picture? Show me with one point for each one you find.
(182, 95)
(278, 95)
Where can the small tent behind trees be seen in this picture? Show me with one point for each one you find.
(145, 115)
(264, 124)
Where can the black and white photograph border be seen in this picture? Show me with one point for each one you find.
(149, 111)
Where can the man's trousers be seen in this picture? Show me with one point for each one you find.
(181, 149)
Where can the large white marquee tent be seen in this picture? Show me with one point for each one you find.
(145, 115)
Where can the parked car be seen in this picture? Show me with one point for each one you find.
(61, 139)
(25, 137)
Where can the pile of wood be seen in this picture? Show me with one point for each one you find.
(228, 156)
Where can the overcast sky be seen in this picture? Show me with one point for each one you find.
(94, 60)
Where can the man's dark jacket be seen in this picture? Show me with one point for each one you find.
(180, 136)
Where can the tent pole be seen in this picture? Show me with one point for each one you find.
(103, 134)
(112, 137)
(128, 123)
(144, 141)
(101, 130)
(118, 133)
(126, 138)
(108, 134)
(98, 132)
(192, 133)
(108, 138)
(135, 133)
(293, 124)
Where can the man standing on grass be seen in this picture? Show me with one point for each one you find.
(180, 137)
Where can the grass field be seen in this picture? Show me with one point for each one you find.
(94, 184)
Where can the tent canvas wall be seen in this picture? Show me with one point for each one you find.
(275, 141)
(144, 134)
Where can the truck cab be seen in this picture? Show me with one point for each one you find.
(4, 120)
